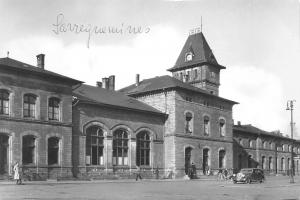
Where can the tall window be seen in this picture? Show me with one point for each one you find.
(222, 159)
(28, 149)
(263, 162)
(53, 149)
(282, 167)
(188, 123)
(206, 125)
(94, 146)
(270, 163)
(142, 148)
(240, 161)
(249, 161)
(29, 105)
(187, 159)
(120, 147)
(4, 102)
(53, 109)
(222, 127)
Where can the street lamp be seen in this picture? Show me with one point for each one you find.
(290, 106)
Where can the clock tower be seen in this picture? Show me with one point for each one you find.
(197, 65)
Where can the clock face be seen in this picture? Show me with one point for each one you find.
(189, 57)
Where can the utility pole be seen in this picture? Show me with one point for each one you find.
(290, 106)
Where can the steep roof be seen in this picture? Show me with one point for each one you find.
(104, 97)
(27, 68)
(248, 128)
(160, 83)
(202, 53)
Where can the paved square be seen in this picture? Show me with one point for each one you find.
(273, 188)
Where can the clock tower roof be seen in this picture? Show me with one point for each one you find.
(197, 46)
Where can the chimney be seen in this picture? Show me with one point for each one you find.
(137, 80)
(105, 83)
(111, 80)
(99, 84)
(41, 61)
(239, 123)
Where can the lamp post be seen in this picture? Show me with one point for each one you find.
(290, 106)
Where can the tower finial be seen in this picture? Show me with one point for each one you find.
(8, 54)
(201, 24)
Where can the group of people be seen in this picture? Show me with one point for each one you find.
(222, 174)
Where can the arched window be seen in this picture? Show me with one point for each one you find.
(4, 102)
(252, 144)
(28, 149)
(240, 161)
(143, 148)
(120, 147)
(222, 127)
(270, 163)
(53, 109)
(264, 144)
(249, 143)
(206, 125)
(282, 166)
(290, 148)
(241, 142)
(29, 106)
(263, 162)
(222, 158)
(188, 123)
(271, 145)
(289, 164)
(249, 161)
(94, 145)
(53, 150)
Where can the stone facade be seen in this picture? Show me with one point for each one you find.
(270, 151)
(26, 127)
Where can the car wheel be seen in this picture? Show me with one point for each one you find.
(248, 181)
(234, 182)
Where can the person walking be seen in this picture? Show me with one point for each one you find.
(17, 175)
(138, 173)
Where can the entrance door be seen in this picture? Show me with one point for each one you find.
(187, 156)
(205, 161)
(3, 154)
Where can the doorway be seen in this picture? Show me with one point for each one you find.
(3, 154)
(187, 157)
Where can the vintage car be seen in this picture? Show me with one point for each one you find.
(249, 175)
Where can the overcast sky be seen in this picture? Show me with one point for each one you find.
(257, 40)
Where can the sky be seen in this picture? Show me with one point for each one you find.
(257, 40)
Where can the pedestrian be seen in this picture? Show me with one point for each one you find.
(225, 173)
(157, 173)
(138, 173)
(194, 171)
(17, 175)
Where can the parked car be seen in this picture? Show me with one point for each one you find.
(249, 175)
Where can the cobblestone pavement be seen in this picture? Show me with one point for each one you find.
(273, 188)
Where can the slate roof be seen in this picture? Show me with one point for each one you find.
(160, 83)
(27, 68)
(248, 128)
(105, 97)
(202, 53)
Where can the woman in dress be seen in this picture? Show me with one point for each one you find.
(17, 173)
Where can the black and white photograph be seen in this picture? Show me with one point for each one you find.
(140, 100)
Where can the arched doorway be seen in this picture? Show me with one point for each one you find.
(240, 162)
(4, 154)
(205, 163)
(187, 157)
